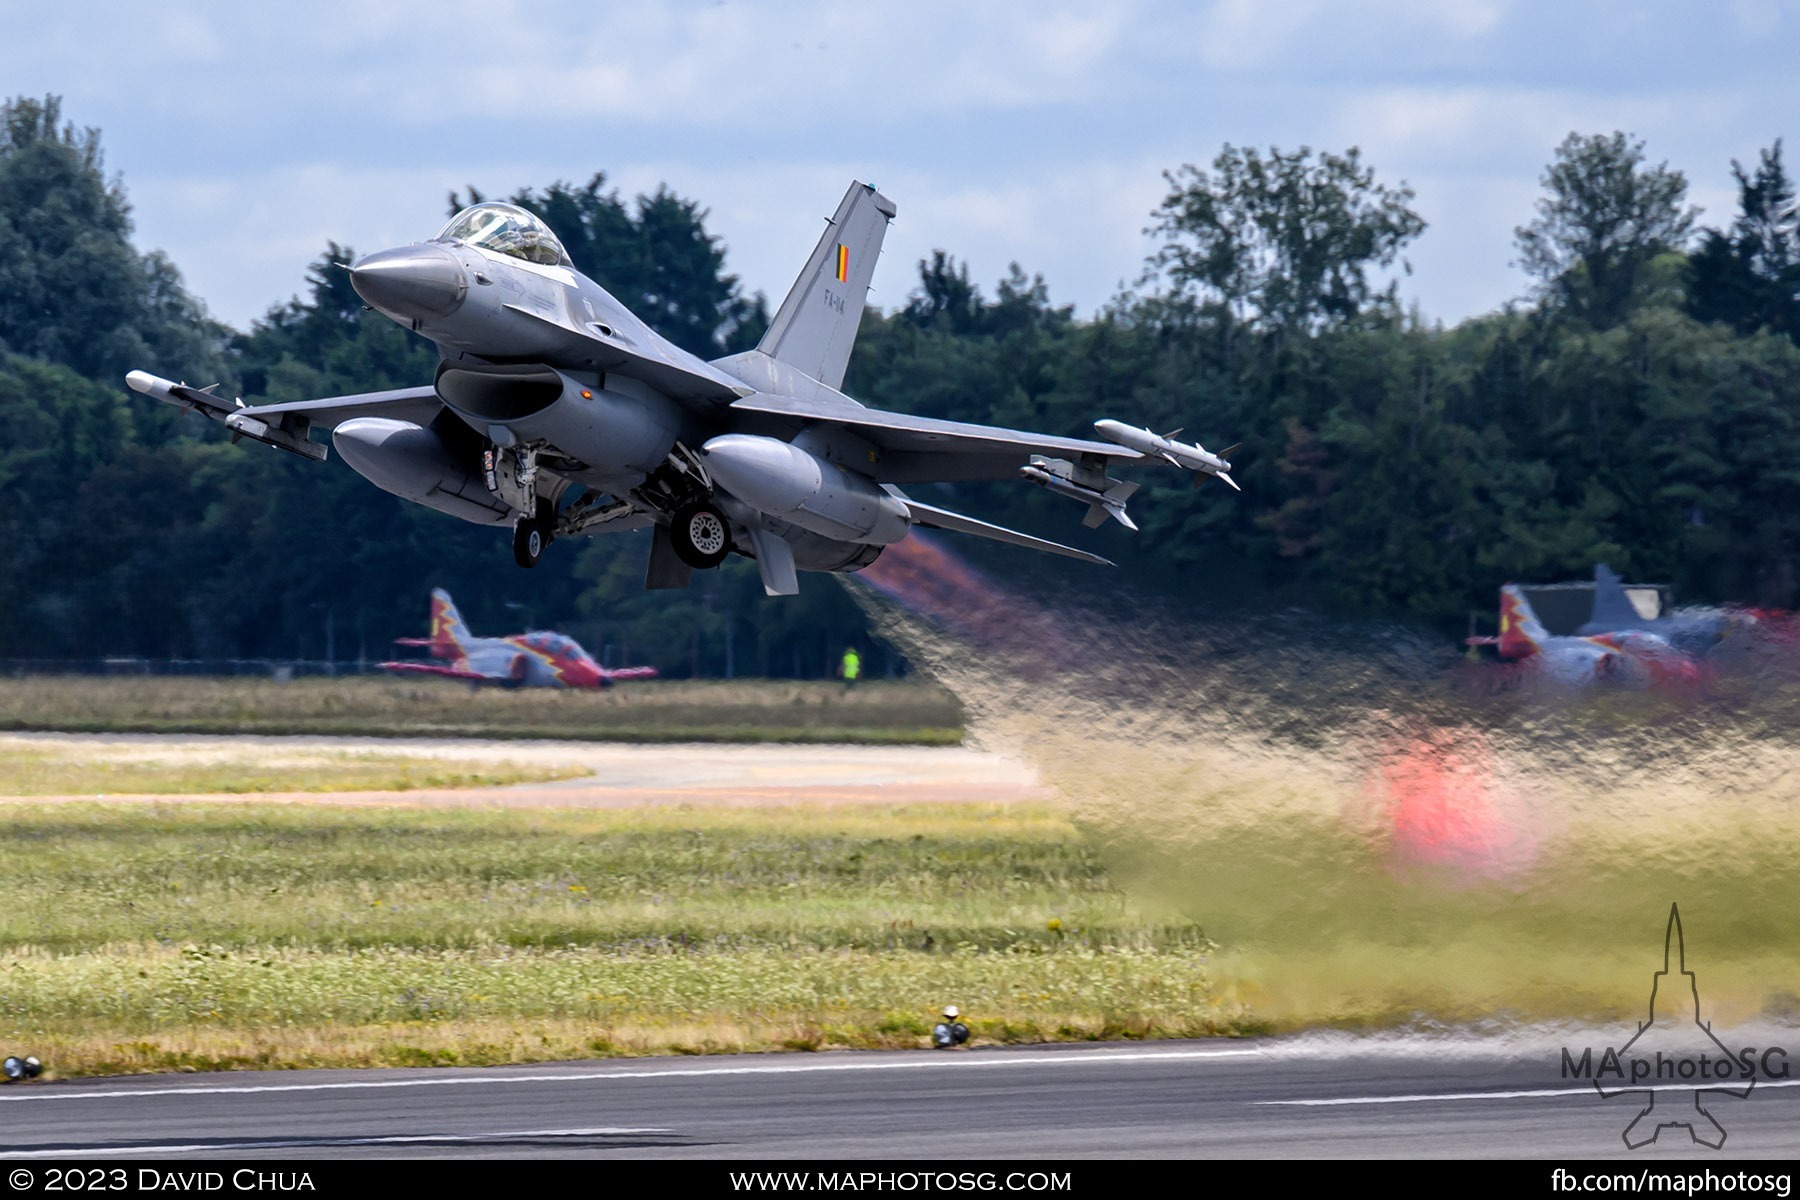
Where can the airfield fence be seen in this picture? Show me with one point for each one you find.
(273, 668)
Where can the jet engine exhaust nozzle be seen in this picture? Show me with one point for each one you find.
(412, 282)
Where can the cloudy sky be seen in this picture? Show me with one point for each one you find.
(249, 135)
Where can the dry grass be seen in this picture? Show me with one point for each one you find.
(384, 706)
(48, 768)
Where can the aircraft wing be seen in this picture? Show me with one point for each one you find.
(630, 673)
(928, 450)
(285, 426)
(416, 404)
(418, 668)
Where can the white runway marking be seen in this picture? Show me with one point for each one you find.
(220, 1147)
(486, 1080)
(1524, 1094)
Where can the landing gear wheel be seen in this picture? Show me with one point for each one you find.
(701, 536)
(532, 536)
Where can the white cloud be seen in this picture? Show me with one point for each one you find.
(243, 242)
(1081, 231)
(1252, 35)
(1244, 34)
(248, 135)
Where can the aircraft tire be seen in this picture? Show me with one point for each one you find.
(531, 538)
(528, 543)
(701, 536)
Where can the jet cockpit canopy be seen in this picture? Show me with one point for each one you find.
(506, 229)
(557, 643)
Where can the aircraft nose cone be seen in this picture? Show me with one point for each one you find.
(412, 282)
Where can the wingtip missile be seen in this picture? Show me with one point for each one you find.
(1189, 456)
(192, 399)
(148, 384)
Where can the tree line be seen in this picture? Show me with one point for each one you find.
(1637, 407)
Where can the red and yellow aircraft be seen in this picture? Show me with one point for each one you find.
(540, 659)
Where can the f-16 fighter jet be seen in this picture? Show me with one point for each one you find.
(540, 659)
(558, 413)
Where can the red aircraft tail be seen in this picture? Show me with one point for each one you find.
(1521, 634)
(448, 633)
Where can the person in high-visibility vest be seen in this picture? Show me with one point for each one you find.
(851, 668)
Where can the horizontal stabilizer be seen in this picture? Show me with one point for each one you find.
(418, 668)
(940, 518)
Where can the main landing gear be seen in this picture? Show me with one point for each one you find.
(532, 535)
(701, 536)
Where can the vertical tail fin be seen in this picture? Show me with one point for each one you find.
(448, 633)
(1521, 634)
(816, 325)
(1612, 607)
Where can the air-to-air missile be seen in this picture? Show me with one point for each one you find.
(1104, 496)
(1181, 454)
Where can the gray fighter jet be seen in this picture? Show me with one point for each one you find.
(558, 413)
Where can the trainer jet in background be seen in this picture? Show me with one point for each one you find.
(1622, 656)
(557, 412)
(540, 659)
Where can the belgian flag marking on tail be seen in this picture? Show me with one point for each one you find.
(843, 263)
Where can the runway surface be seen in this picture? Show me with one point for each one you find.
(1307, 1097)
(623, 776)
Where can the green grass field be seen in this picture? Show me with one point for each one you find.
(195, 936)
(876, 711)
